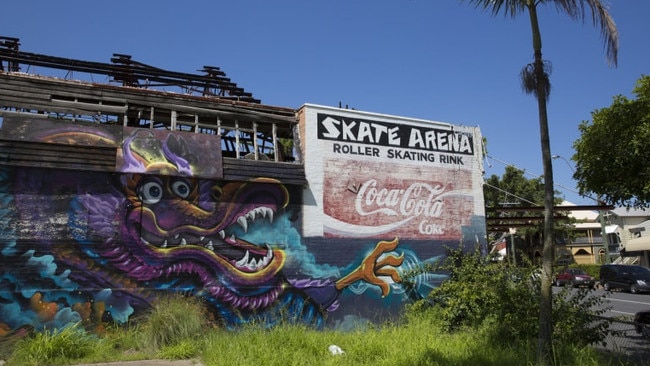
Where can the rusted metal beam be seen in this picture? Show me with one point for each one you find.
(555, 208)
(523, 218)
(130, 72)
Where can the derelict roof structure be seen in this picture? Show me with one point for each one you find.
(139, 95)
(128, 72)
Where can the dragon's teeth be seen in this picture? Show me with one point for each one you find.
(243, 223)
(267, 258)
(222, 234)
(244, 261)
(183, 241)
(264, 261)
(252, 265)
(251, 215)
(210, 245)
(202, 238)
(164, 244)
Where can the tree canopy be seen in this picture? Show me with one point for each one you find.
(513, 187)
(613, 152)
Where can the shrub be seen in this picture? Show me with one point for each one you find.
(578, 318)
(504, 300)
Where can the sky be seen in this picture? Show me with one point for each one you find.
(441, 60)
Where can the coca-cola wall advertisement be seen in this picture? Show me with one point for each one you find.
(385, 176)
(386, 197)
(418, 204)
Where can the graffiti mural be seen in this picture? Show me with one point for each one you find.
(374, 177)
(100, 247)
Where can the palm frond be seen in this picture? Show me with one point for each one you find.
(511, 8)
(574, 9)
(530, 80)
(600, 17)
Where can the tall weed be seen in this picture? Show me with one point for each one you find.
(174, 319)
(54, 346)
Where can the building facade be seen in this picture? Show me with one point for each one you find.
(115, 195)
(632, 229)
(586, 242)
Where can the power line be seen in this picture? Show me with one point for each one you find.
(506, 192)
(538, 176)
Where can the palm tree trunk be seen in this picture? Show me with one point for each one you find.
(544, 340)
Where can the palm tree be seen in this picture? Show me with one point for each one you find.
(535, 80)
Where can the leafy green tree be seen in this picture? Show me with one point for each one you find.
(535, 80)
(613, 150)
(513, 189)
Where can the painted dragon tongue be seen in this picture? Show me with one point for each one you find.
(249, 246)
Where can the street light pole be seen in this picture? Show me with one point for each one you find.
(513, 231)
(605, 238)
(601, 213)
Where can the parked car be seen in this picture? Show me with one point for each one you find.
(627, 277)
(574, 277)
(642, 322)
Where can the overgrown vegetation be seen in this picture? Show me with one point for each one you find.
(51, 347)
(173, 321)
(171, 330)
(485, 314)
(482, 293)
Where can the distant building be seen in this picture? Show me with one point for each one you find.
(628, 235)
(633, 233)
(586, 240)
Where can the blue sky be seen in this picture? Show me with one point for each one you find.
(439, 60)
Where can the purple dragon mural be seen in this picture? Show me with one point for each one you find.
(100, 247)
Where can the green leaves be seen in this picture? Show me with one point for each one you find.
(613, 150)
(484, 294)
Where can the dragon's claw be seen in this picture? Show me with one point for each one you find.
(372, 267)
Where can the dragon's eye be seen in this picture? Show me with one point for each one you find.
(150, 193)
(216, 193)
(181, 189)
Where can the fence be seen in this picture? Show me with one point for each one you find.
(627, 341)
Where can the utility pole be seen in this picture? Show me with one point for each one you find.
(603, 227)
(513, 231)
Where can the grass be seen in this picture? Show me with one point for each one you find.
(51, 347)
(173, 320)
(420, 341)
(174, 331)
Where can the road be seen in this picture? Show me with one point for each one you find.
(626, 304)
(622, 306)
